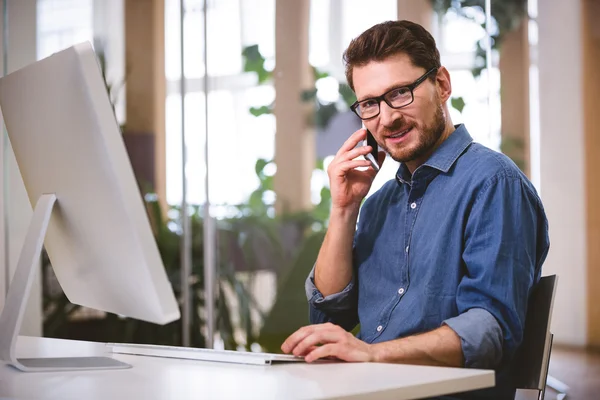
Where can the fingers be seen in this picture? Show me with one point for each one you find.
(342, 163)
(327, 340)
(352, 141)
(349, 151)
(328, 350)
(346, 166)
(352, 154)
(307, 351)
(292, 342)
(338, 166)
(320, 337)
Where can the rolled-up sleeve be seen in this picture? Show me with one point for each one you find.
(480, 337)
(505, 244)
(338, 308)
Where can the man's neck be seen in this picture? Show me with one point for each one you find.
(414, 164)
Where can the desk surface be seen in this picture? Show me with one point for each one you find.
(162, 378)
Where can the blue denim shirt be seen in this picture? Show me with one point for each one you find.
(461, 242)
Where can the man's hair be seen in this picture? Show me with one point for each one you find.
(388, 39)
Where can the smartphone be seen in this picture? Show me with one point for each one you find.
(373, 156)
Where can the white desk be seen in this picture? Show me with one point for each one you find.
(162, 378)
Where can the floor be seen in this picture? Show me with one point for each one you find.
(579, 369)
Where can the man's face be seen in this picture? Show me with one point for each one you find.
(409, 133)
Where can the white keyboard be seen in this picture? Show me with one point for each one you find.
(191, 353)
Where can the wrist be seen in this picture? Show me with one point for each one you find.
(375, 353)
(347, 213)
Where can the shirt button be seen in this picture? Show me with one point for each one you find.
(401, 290)
(406, 250)
(413, 205)
(379, 328)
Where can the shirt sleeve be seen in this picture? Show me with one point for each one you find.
(338, 308)
(480, 337)
(506, 241)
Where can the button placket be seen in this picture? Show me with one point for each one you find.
(414, 199)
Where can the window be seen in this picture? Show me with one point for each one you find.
(62, 23)
(237, 138)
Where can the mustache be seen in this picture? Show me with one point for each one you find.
(397, 126)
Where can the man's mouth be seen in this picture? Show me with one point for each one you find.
(400, 133)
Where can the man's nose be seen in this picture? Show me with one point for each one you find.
(388, 115)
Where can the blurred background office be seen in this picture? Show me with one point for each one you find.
(232, 109)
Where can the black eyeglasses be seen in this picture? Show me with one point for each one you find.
(396, 98)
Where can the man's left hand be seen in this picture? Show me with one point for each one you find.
(327, 340)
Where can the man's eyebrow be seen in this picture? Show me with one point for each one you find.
(394, 86)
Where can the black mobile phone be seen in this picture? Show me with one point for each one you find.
(373, 156)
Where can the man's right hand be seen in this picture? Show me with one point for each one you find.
(348, 185)
(333, 269)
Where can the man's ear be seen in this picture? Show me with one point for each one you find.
(444, 85)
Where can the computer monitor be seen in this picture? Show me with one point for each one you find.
(88, 210)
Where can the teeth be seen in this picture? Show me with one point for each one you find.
(401, 133)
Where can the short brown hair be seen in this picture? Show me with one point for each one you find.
(388, 39)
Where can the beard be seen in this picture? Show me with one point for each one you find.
(424, 139)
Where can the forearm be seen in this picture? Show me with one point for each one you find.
(440, 347)
(333, 268)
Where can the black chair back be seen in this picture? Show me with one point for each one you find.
(530, 365)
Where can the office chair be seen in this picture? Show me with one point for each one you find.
(530, 365)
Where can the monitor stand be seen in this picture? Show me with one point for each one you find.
(18, 294)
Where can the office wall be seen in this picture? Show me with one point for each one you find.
(591, 46)
(562, 164)
(3, 251)
(17, 209)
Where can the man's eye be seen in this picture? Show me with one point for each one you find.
(367, 104)
(399, 93)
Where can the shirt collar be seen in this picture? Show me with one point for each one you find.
(444, 156)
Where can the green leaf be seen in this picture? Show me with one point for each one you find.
(259, 167)
(319, 74)
(347, 94)
(267, 183)
(290, 310)
(458, 103)
(256, 202)
(514, 148)
(321, 211)
(252, 54)
(320, 164)
(324, 113)
(264, 75)
(263, 110)
(308, 95)
(255, 62)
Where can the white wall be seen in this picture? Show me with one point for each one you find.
(17, 209)
(3, 236)
(562, 162)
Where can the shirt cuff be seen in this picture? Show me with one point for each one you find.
(341, 301)
(480, 336)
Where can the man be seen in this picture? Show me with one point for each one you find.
(440, 266)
